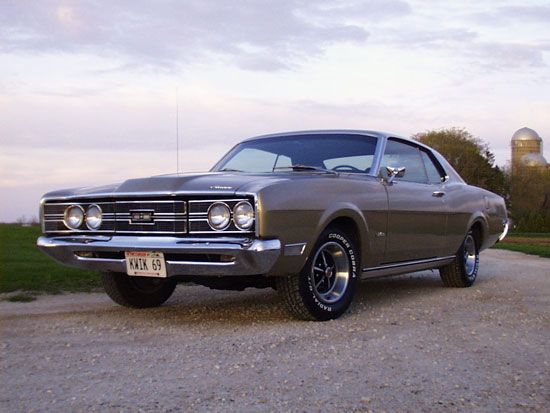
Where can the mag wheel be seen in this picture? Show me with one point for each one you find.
(330, 272)
(462, 272)
(137, 292)
(326, 286)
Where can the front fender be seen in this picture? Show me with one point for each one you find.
(293, 264)
(344, 210)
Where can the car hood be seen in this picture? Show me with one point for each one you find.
(214, 183)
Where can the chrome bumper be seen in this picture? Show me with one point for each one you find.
(242, 256)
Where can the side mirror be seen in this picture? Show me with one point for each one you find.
(394, 172)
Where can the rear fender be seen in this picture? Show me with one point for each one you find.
(479, 217)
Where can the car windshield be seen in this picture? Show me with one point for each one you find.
(336, 152)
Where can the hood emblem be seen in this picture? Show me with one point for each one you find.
(220, 187)
(141, 216)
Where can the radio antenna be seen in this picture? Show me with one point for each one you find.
(177, 133)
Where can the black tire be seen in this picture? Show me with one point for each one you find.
(309, 296)
(462, 272)
(137, 292)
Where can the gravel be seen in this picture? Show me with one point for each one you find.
(408, 344)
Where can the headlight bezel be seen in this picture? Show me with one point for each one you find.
(66, 216)
(249, 225)
(227, 221)
(87, 216)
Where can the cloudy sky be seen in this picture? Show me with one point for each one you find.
(88, 89)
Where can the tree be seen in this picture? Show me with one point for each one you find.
(469, 156)
(530, 199)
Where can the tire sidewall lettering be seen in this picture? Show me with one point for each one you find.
(349, 249)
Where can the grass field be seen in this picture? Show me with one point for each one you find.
(24, 267)
(528, 243)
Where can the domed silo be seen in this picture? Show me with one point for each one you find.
(524, 141)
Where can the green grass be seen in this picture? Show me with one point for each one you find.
(540, 250)
(24, 267)
(527, 242)
(529, 234)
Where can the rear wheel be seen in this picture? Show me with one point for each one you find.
(462, 272)
(326, 286)
(137, 292)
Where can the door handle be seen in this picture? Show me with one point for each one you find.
(438, 194)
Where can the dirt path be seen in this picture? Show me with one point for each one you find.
(409, 344)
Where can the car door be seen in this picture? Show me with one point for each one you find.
(417, 212)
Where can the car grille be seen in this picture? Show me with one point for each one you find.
(125, 216)
(147, 217)
(167, 217)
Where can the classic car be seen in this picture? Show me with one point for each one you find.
(307, 213)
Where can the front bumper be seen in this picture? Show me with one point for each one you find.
(226, 256)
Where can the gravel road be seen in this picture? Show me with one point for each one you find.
(407, 345)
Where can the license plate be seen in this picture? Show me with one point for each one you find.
(145, 264)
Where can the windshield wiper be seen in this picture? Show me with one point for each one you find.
(300, 167)
(230, 170)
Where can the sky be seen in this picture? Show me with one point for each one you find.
(89, 89)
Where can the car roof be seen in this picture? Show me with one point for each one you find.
(377, 134)
(365, 132)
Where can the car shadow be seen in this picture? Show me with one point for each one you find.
(192, 304)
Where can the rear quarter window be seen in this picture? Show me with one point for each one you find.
(435, 173)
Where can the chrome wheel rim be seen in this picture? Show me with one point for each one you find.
(330, 272)
(470, 255)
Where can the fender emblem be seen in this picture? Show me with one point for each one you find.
(220, 187)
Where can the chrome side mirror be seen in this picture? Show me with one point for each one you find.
(394, 172)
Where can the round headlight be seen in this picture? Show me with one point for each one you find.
(243, 215)
(73, 217)
(93, 217)
(219, 216)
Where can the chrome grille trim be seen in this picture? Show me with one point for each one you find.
(117, 218)
(187, 216)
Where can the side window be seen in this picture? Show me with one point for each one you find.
(400, 154)
(435, 176)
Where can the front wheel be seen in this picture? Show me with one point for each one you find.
(326, 286)
(137, 292)
(462, 272)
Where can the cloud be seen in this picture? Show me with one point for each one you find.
(518, 14)
(425, 38)
(370, 10)
(256, 35)
(502, 56)
(468, 45)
